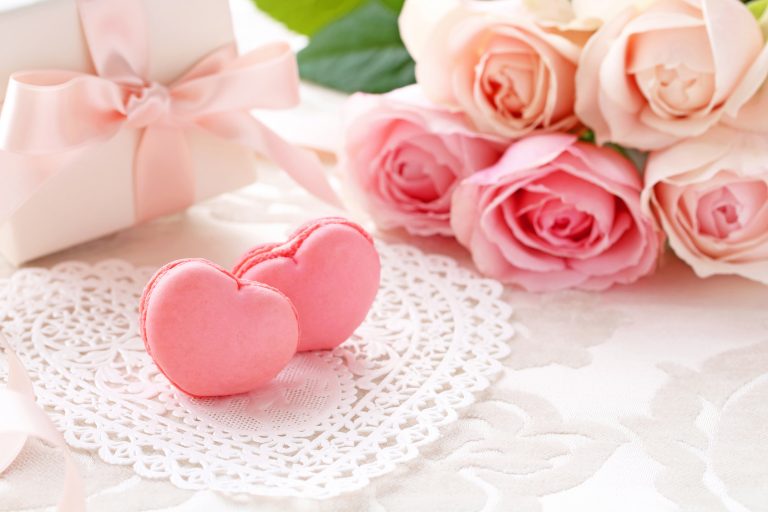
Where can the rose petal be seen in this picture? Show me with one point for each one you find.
(418, 19)
(614, 79)
(544, 282)
(625, 252)
(733, 56)
(606, 163)
(528, 153)
(628, 275)
(496, 230)
(583, 195)
(663, 46)
(747, 88)
(588, 85)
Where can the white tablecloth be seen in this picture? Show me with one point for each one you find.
(650, 397)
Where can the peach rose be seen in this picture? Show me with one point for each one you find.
(495, 61)
(405, 157)
(556, 213)
(710, 195)
(651, 77)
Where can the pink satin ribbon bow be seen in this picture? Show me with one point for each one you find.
(58, 113)
(50, 116)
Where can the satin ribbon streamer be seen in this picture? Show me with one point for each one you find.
(50, 116)
(20, 418)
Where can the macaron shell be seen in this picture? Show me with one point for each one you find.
(331, 273)
(214, 335)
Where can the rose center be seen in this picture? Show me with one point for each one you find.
(570, 225)
(415, 174)
(720, 213)
(561, 224)
(728, 213)
(510, 84)
(675, 91)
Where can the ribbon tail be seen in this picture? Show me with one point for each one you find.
(301, 165)
(163, 173)
(21, 418)
(11, 443)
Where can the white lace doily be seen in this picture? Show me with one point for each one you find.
(331, 421)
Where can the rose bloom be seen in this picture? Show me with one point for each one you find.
(710, 195)
(651, 77)
(495, 61)
(557, 213)
(405, 157)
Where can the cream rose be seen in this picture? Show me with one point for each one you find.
(651, 77)
(495, 61)
(710, 195)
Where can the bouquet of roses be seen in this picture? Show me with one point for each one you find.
(563, 142)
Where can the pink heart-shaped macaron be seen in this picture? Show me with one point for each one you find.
(212, 334)
(330, 270)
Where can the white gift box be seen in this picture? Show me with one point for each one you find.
(95, 195)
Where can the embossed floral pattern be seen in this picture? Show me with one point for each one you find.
(709, 429)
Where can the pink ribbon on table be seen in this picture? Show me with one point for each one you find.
(20, 418)
(55, 114)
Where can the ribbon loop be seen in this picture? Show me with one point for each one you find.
(49, 112)
(265, 78)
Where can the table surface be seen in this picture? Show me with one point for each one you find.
(650, 397)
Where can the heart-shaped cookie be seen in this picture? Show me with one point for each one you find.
(330, 270)
(213, 334)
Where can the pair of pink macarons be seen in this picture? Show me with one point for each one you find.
(217, 333)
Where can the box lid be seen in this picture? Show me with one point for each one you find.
(47, 35)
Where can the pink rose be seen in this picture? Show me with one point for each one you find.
(405, 157)
(495, 61)
(555, 213)
(710, 195)
(651, 77)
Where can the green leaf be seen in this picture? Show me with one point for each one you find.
(307, 16)
(638, 158)
(359, 52)
(758, 8)
(587, 136)
(395, 5)
(617, 148)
